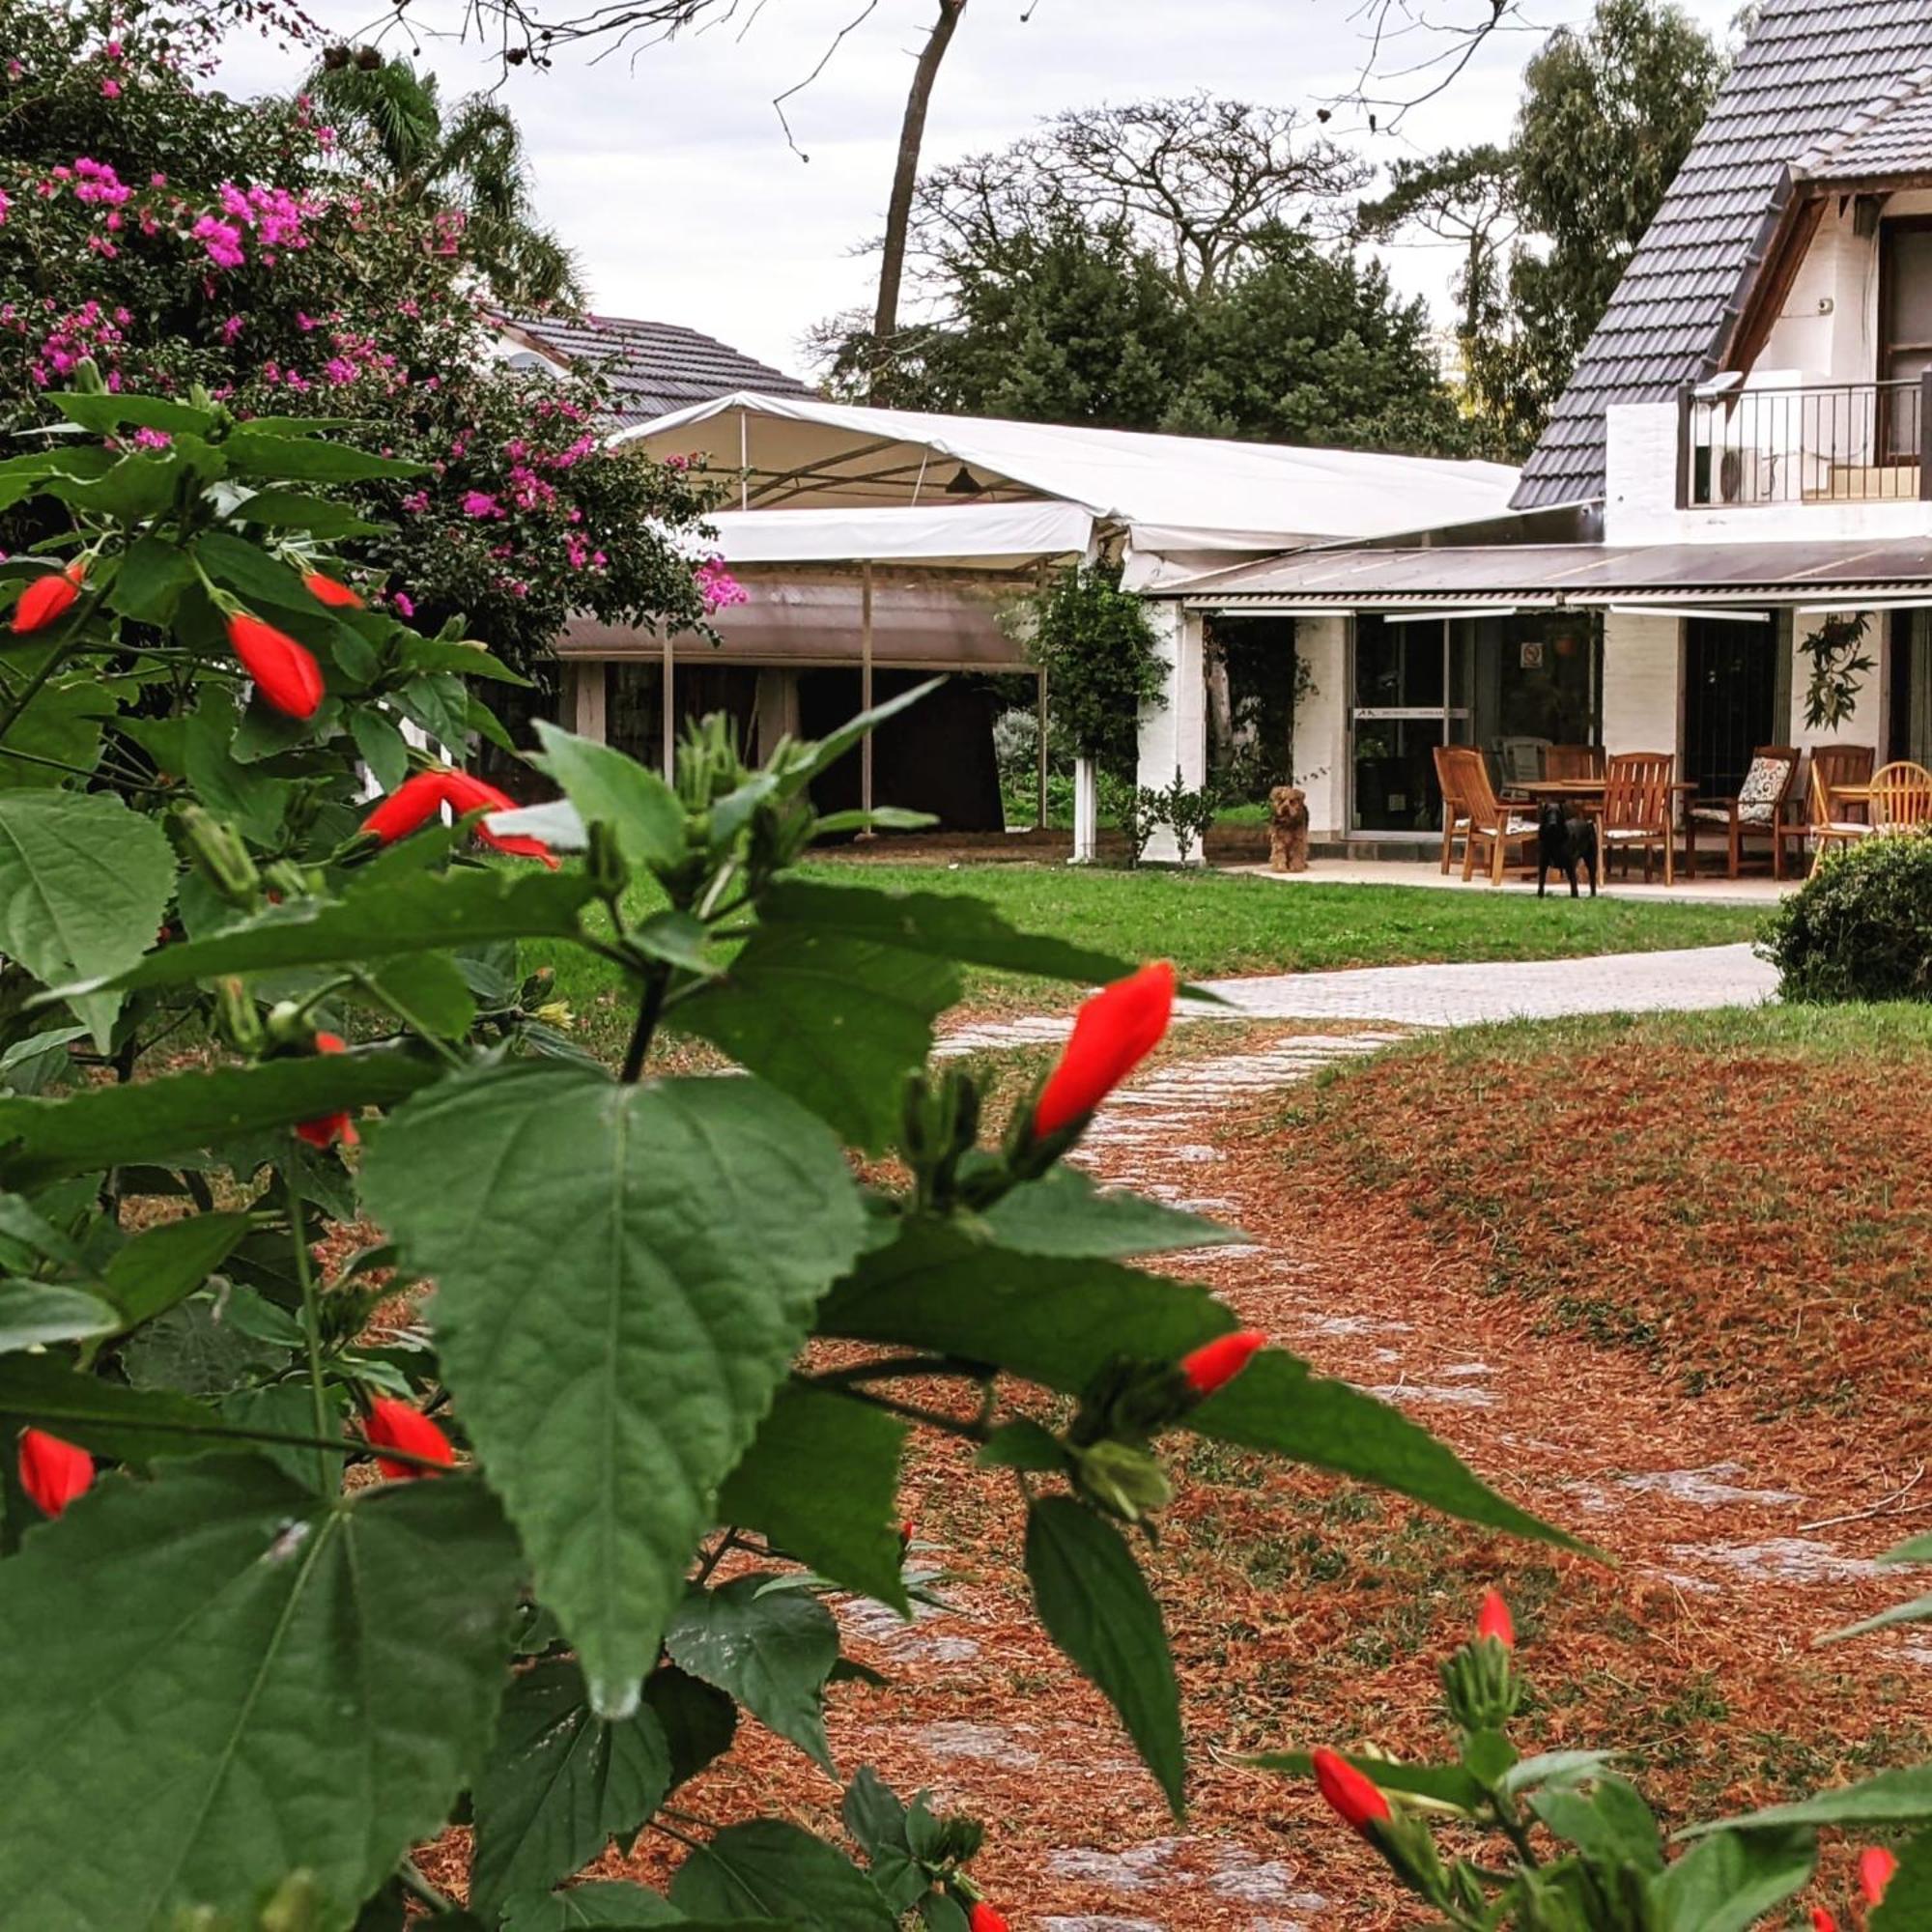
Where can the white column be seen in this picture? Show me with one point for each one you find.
(1086, 812)
(1321, 750)
(1175, 735)
(584, 700)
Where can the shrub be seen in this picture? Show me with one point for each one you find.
(1861, 927)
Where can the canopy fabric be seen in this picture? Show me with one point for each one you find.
(1169, 492)
(964, 535)
(1551, 576)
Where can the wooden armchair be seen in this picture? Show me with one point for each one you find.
(1492, 822)
(1844, 765)
(1574, 761)
(1637, 809)
(1901, 797)
(1519, 760)
(1455, 809)
(1831, 822)
(1757, 810)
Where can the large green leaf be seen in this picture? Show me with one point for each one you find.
(1276, 1405)
(1065, 1213)
(624, 1274)
(769, 1869)
(1097, 1607)
(601, 1904)
(111, 1419)
(160, 1264)
(772, 1653)
(398, 913)
(246, 1681)
(1445, 1783)
(83, 884)
(104, 410)
(560, 1783)
(820, 1481)
(699, 1722)
(147, 1121)
(609, 788)
(1728, 1882)
(254, 452)
(1890, 1798)
(35, 1313)
(1055, 1322)
(62, 724)
(1908, 1898)
(838, 1023)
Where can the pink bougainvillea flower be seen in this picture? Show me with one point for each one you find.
(1352, 1796)
(53, 1472)
(405, 604)
(285, 672)
(413, 803)
(1876, 1866)
(330, 1127)
(395, 1424)
(1217, 1363)
(1494, 1619)
(1113, 1033)
(47, 598)
(338, 596)
(464, 793)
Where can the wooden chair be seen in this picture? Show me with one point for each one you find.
(1844, 765)
(1828, 829)
(1519, 760)
(1574, 761)
(1455, 809)
(1636, 809)
(1901, 797)
(1492, 822)
(1758, 810)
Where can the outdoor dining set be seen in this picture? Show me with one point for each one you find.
(1827, 795)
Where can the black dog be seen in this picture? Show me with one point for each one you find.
(1565, 843)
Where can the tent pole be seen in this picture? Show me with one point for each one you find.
(1039, 735)
(669, 713)
(865, 686)
(744, 462)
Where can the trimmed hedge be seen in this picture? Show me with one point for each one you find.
(1861, 927)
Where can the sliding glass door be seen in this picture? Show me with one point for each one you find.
(1411, 693)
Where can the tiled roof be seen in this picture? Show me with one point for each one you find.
(1890, 138)
(1809, 68)
(654, 367)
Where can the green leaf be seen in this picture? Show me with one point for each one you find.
(137, 488)
(150, 1121)
(83, 884)
(881, 819)
(109, 1418)
(606, 787)
(699, 1722)
(257, 804)
(1555, 1769)
(63, 723)
(1891, 1798)
(28, 1065)
(195, 1350)
(1276, 1405)
(1728, 1882)
(1023, 1445)
(465, 659)
(1097, 1607)
(426, 991)
(677, 939)
(773, 1654)
(383, 747)
(603, 1903)
(35, 1313)
(1440, 1783)
(159, 1266)
(1053, 1322)
(1612, 1823)
(1065, 1213)
(152, 574)
(559, 1784)
(827, 752)
(820, 1482)
(1916, 1611)
(836, 1023)
(259, 578)
(283, 1682)
(292, 511)
(1908, 1898)
(769, 1869)
(102, 411)
(681, 1234)
(410, 912)
(1913, 1549)
(872, 1813)
(254, 452)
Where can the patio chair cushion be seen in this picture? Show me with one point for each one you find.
(1616, 834)
(1518, 826)
(1758, 795)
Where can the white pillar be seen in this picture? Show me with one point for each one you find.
(1174, 736)
(1321, 750)
(1086, 812)
(584, 700)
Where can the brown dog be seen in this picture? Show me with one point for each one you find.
(1288, 829)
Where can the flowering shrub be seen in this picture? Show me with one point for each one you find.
(174, 237)
(282, 1592)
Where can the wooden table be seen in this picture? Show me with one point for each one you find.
(1587, 794)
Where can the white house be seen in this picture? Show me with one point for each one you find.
(1744, 448)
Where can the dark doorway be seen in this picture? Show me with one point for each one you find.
(936, 757)
(1730, 695)
(1905, 330)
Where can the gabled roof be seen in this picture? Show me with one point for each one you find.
(1809, 68)
(1890, 139)
(652, 367)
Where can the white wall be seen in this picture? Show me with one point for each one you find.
(1175, 734)
(1320, 750)
(1643, 682)
(1866, 724)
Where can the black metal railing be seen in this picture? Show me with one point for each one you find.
(1829, 442)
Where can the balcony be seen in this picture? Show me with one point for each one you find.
(1831, 443)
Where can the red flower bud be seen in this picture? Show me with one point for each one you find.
(1352, 1796)
(47, 598)
(1821, 1921)
(326, 590)
(410, 807)
(465, 794)
(984, 1919)
(285, 672)
(1494, 1619)
(1113, 1033)
(395, 1424)
(53, 1472)
(1217, 1363)
(330, 1127)
(1876, 1866)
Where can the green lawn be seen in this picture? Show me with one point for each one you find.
(1213, 925)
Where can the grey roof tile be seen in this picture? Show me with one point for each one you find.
(1811, 70)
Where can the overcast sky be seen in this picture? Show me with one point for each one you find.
(670, 175)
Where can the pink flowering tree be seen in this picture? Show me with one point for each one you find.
(177, 239)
